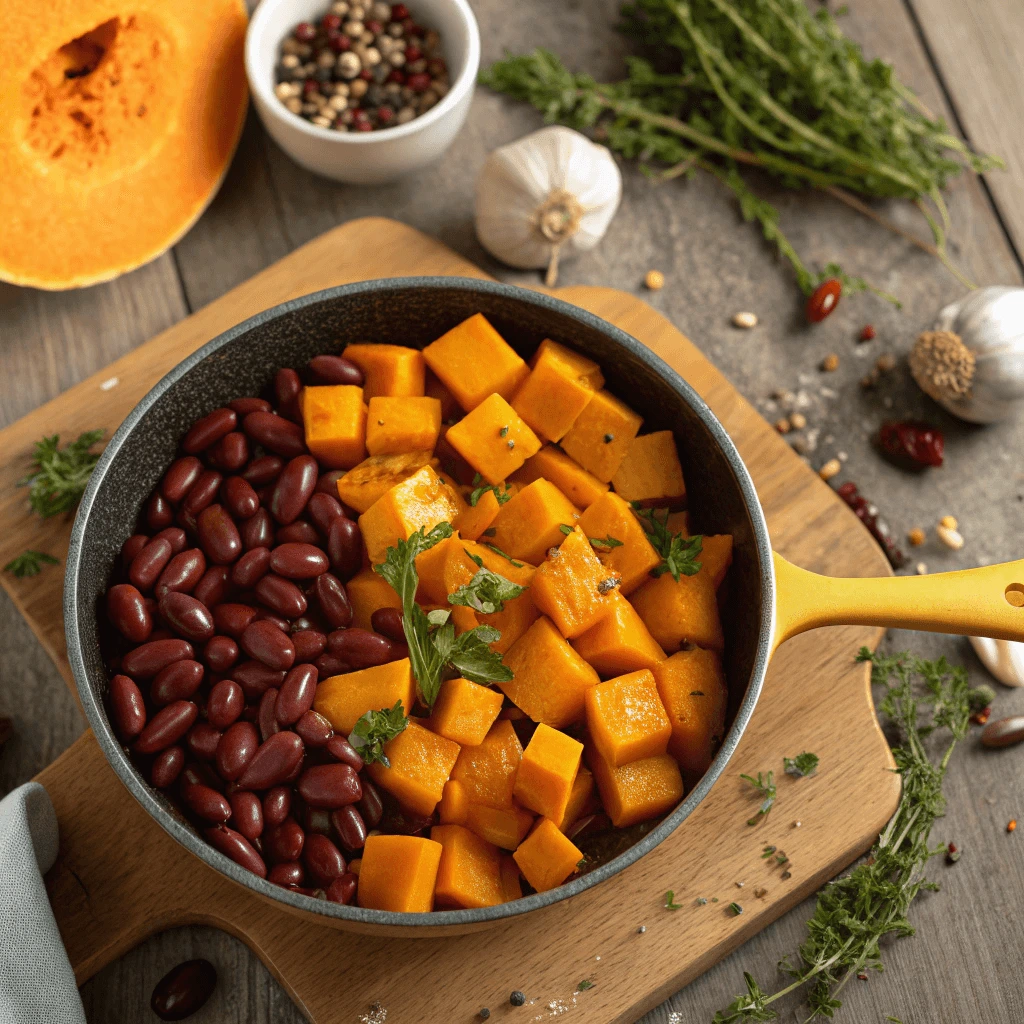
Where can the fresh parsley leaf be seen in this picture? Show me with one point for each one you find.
(507, 558)
(753, 1006)
(29, 563)
(61, 474)
(608, 542)
(679, 553)
(486, 592)
(670, 901)
(802, 765)
(765, 785)
(585, 984)
(736, 909)
(375, 729)
(565, 529)
(472, 657)
(501, 492)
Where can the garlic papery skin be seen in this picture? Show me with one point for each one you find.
(973, 361)
(1003, 658)
(545, 198)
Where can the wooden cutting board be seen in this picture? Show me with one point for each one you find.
(120, 877)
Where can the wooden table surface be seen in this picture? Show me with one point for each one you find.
(964, 58)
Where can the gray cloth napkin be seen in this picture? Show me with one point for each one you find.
(37, 984)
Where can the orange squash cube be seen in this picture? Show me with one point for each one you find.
(474, 519)
(364, 484)
(344, 699)
(531, 522)
(450, 409)
(571, 587)
(392, 370)
(464, 711)
(488, 770)
(423, 500)
(493, 439)
(398, 873)
(619, 642)
(473, 361)
(510, 884)
(546, 857)
(560, 384)
(396, 426)
(579, 797)
(636, 791)
(651, 473)
(547, 772)
(469, 874)
(693, 689)
(453, 805)
(602, 435)
(678, 611)
(716, 556)
(550, 678)
(447, 566)
(626, 719)
(678, 522)
(634, 557)
(366, 593)
(511, 622)
(421, 763)
(551, 463)
(503, 826)
(334, 418)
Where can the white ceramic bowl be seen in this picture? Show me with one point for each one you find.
(364, 158)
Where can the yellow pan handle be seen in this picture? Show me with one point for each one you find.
(974, 602)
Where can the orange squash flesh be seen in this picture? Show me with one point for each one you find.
(362, 485)
(510, 883)
(546, 857)
(547, 772)
(551, 463)
(626, 719)
(559, 386)
(531, 522)
(334, 420)
(474, 519)
(344, 699)
(396, 426)
(602, 435)
(619, 643)
(421, 763)
(469, 873)
(639, 790)
(680, 611)
(651, 474)
(488, 770)
(493, 439)
(367, 591)
(453, 805)
(464, 711)
(582, 791)
(390, 370)
(634, 557)
(399, 873)
(506, 827)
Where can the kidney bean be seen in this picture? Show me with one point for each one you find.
(206, 803)
(182, 573)
(149, 563)
(275, 433)
(220, 653)
(317, 820)
(127, 707)
(287, 387)
(284, 842)
(180, 477)
(126, 609)
(251, 567)
(309, 645)
(276, 805)
(328, 482)
(247, 814)
(313, 729)
(281, 596)
(328, 665)
(159, 513)
(241, 500)
(183, 990)
(296, 695)
(177, 538)
(266, 616)
(298, 561)
(359, 648)
(244, 406)
(209, 429)
(287, 873)
(146, 661)
(131, 547)
(218, 535)
(335, 370)
(236, 750)
(333, 599)
(224, 704)
(237, 847)
(186, 616)
(323, 859)
(268, 644)
(263, 470)
(178, 681)
(293, 489)
(202, 741)
(343, 889)
(166, 727)
(341, 750)
(254, 677)
(389, 622)
(329, 786)
(299, 532)
(273, 763)
(267, 717)
(212, 588)
(371, 804)
(345, 548)
(257, 531)
(200, 773)
(323, 509)
(167, 767)
(230, 453)
(349, 827)
(202, 492)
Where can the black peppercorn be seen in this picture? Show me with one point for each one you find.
(608, 438)
(484, 1013)
(517, 998)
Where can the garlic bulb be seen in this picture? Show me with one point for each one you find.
(1003, 658)
(545, 197)
(972, 363)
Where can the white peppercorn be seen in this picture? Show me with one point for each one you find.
(322, 122)
(353, 28)
(340, 8)
(349, 65)
(381, 12)
(405, 115)
(396, 30)
(290, 60)
(396, 58)
(294, 105)
(327, 59)
(357, 89)
(372, 57)
(338, 102)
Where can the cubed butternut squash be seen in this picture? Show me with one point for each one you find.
(619, 642)
(344, 699)
(364, 484)
(506, 827)
(488, 770)
(626, 719)
(531, 522)
(465, 711)
(560, 384)
(693, 689)
(493, 439)
(601, 435)
(398, 873)
(551, 463)
(651, 473)
(716, 556)
(547, 772)
(447, 566)
(678, 611)
(510, 884)
(637, 791)
(367, 591)
(420, 764)
(450, 408)
(473, 361)
(392, 370)
(571, 587)
(453, 805)
(334, 419)
(582, 791)
(511, 622)
(474, 519)
(608, 519)
(395, 426)
(469, 873)
(550, 678)
(546, 857)
(678, 522)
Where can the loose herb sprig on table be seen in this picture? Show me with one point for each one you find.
(763, 84)
(802, 765)
(29, 563)
(765, 786)
(855, 912)
(376, 728)
(679, 553)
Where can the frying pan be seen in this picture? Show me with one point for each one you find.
(772, 600)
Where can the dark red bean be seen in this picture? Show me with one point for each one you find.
(297, 693)
(329, 786)
(202, 492)
(254, 677)
(131, 547)
(276, 805)
(167, 767)
(206, 803)
(323, 509)
(293, 489)
(389, 622)
(178, 681)
(316, 819)
(209, 429)
(341, 750)
(330, 594)
(127, 707)
(230, 453)
(187, 616)
(287, 387)
(159, 513)
(198, 773)
(268, 644)
(146, 661)
(286, 873)
(359, 648)
(328, 482)
(213, 587)
(266, 616)
(343, 889)
(263, 470)
(284, 842)
(298, 561)
(274, 762)
(251, 567)
(220, 653)
(177, 538)
(182, 573)
(218, 535)
(183, 990)
(181, 475)
(126, 609)
(371, 804)
(330, 665)
(224, 704)
(232, 618)
(267, 717)
(275, 433)
(309, 645)
(202, 741)
(335, 370)
(281, 596)
(237, 748)
(345, 548)
(314, 729)
(257, 531)
(247, 814)
(237, 847)
(349, 827)
(244, 406)
(241, 500)
(323, 859)
(166, 727)
(149, 563)
(299, 532)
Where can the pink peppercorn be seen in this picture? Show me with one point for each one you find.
(330, 22)
(366, 75)
(419, 83)
(305, 32)
(375, 27)
(385, 114)
(399, 12)
(413, 53)
(339, 42)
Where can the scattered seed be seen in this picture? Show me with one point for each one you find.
(830, 363)
(739, 885)
(885, 362)
(952, 853)
(608, 438)
(981, 717)
(916, 536)
(1003, 732)
(867, 333)
(786, 875)
(783, 425)
(951, 538)
(641, 929)
(109, 383)
(798, 421)
(654, 280)
(517, 998)
(511, 444)
(862, 976)
(921, 569)
(1011, 825)
(744, 320)
(830, 469)
(949, 522)
(484, 1013)
(797, 824)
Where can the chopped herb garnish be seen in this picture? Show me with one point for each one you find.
(736, 909)
(29, 563)
(768, 851)
(61, 474)
(511, 444)
(802, 765)
(765, 785)
(609, 584)
(503, 432)
(605, 542)
(509, 558)
(679, 553)
(486, 592)
(565, 529)
(374, 729)
(585, 984)
(980, 697)
(670, 901)
(501, 492)
(700, 901)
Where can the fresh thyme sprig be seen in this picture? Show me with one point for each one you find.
(61, 474)
(765, 786)
(679, 553)
(29, 563)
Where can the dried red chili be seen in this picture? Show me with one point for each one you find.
(867, 333)
(912, 442)
(867, 513)
(824, 299)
